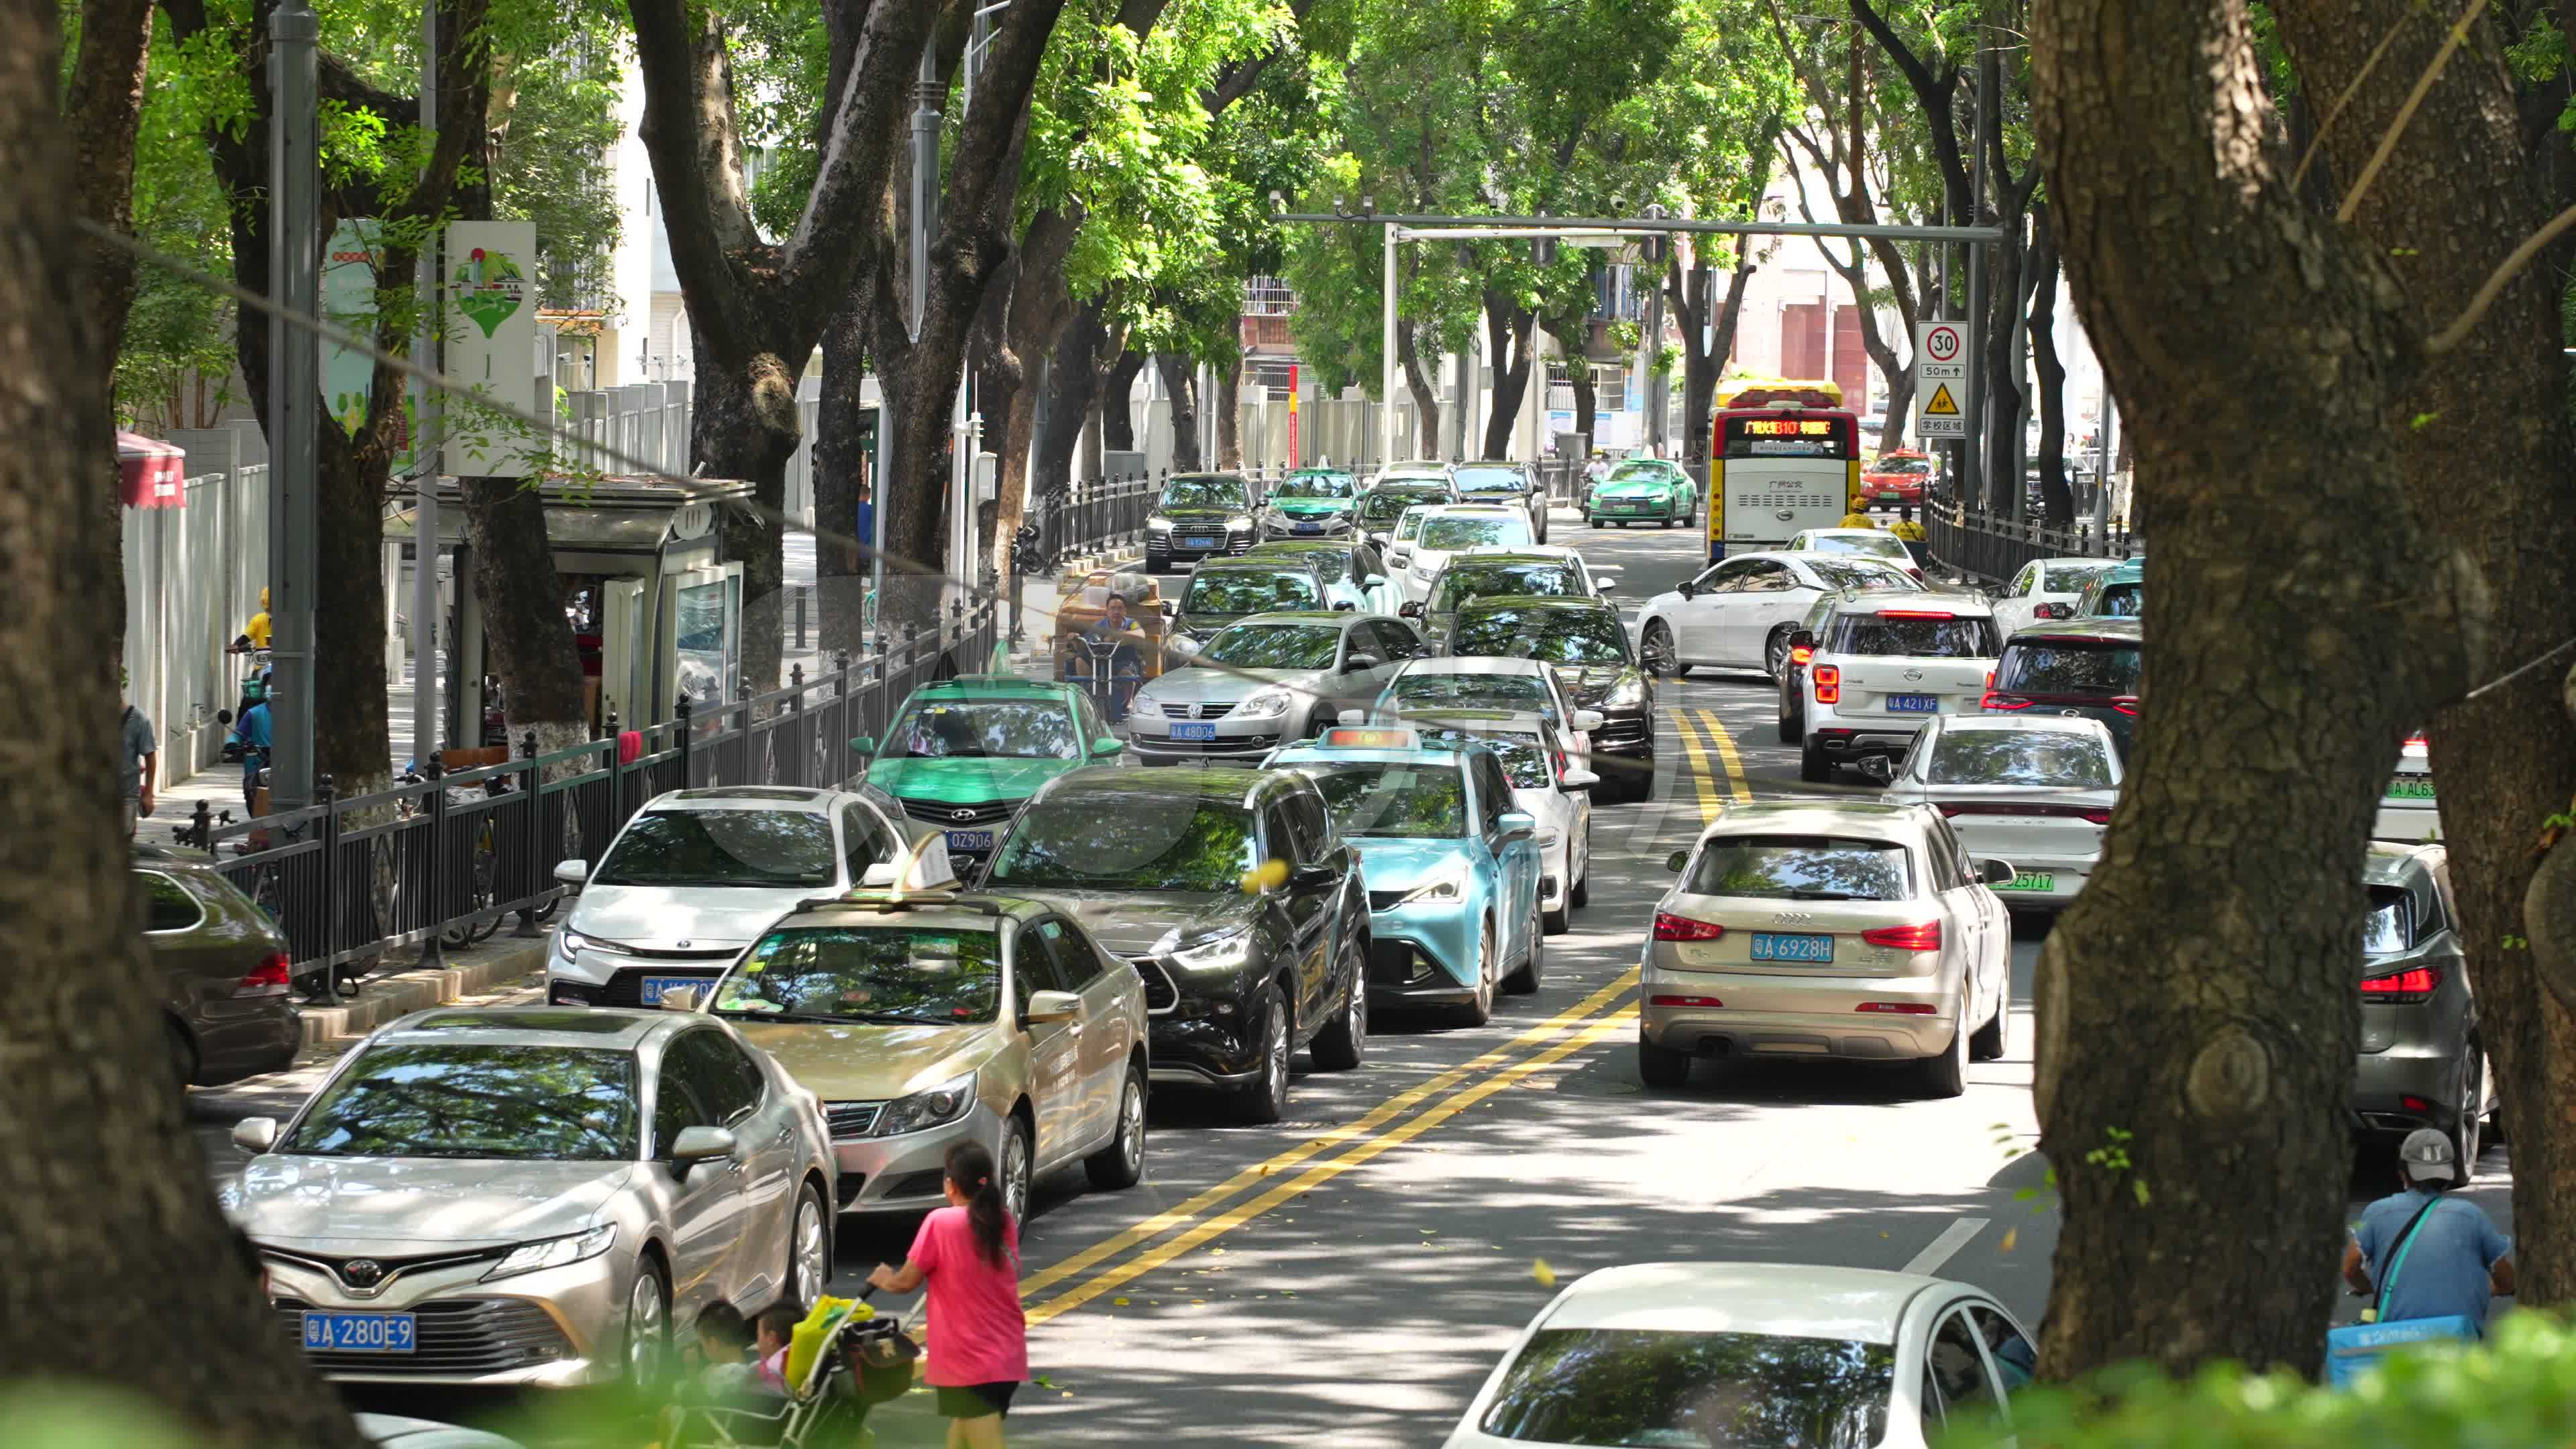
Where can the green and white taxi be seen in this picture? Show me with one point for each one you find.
(964, 754)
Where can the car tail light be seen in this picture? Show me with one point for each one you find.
(2125, 706)
(1956, 808)
(1918, 574)
(274, 976)
(1800, 653)
(1669, 927)
(2412, 984)
(1709, 1001)
(2414, 1104)
(1897, 1008)
(1829, 684)
(1920, 936)
(2418, 740)
(1916, 614)
(2002, 701)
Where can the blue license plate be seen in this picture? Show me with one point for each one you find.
(1198, 543)
(1310, 528)
(360, 1332)
(654, 986)
(1807, 950)
(1194, 731)
(1914, 704)
(978, 841)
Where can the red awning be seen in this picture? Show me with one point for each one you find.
(154, 473)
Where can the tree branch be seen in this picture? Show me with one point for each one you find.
(690, 133)
(2456, 333)
(2405, 113)
(2326, 123)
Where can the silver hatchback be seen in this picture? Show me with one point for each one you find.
(533, 1195)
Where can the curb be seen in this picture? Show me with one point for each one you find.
(386, 998)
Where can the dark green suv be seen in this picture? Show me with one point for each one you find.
(963, 754)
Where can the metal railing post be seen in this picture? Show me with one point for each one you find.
(798, 723)
(436, 915)
(681, 721)
(616, 812)
(326, 796)
(536, 834)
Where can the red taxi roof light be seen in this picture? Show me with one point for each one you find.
(2412, 984)
(1669, 927)
(1917, 936)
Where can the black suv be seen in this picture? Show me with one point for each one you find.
(1593, 655)
(1235, 900)
(1196, 516)
(2081, 666)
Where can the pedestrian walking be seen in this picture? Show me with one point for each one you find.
(1858, 517)
(138, 760)
(2424, 1253)
(969, 1254)
(252, 730)
(863, 520)
(1905, 527)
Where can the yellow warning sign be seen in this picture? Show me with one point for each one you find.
(1942, 404)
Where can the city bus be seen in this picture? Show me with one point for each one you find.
(1783, 456)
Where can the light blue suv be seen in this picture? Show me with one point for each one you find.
(1450, 861)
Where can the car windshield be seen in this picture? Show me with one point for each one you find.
(1867, 545)
(1653, 1387)
(762, 849)
(1333, 563)
(1450, 532)
(1275, 646)
(458, 1099)
(1523, 755)
(1138, 841)
(1802, 868)
(1202, 493)
(865, 973)
(2387, 928)
(2098, 668)
(1491, 480)
(1315, 485)
(1643, 473)
(1861, 574)
(1470, 691)
(1014, 729)
(1919, 636)
(2069, 578)
(1903, 465)
(1484, 581)
(2120, 601)
(2061, 759)
(1249, 591)
(1407, 801)
(1410, 524)
(1385, 503)
(1559, 636)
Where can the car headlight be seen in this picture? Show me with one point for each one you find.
(937, 1107)
(1627, 694)
(571, 943)
(1158, 524)
(1222, 954)
(1239, 523)
(554, 1252)
(1264, 703)
(1450, 887)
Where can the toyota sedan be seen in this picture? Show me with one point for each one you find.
(1271, 678)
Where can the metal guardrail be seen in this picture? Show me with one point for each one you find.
(452, 855)
(1995, 548)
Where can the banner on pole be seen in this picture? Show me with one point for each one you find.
(490, 305)
(1292, 415)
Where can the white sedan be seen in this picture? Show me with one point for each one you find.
(2043, 581)
(1741, 610)
(1426, 537)
(2036, 790)
(1486, 681)
(1875, 543)
(1550, 783)
(1752, 1354)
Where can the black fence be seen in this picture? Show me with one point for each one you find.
(448, 858)
(1993, 547)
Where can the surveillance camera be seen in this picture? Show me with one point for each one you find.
(1278, 202)
(1368, 206)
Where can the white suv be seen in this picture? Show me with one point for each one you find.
(1882, 664)
(1426, 537)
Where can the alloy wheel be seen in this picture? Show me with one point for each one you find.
(1775, 656)
(1015, 1171)
(647, 1326)
(813, 1249)
(1658, 650)
(1274, 1056)
(1131, 1128)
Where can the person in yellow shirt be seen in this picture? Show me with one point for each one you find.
(254, 635)
(1905, 527)
(1858, 518)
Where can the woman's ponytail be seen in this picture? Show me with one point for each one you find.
(970, 1168)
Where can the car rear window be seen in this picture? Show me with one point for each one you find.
(1923, 636)
(2069, 579)
(1246, 592)
(1559, 636)
(1451, 532)
(1858, 573)
(2064, 760)
(1866, 546)
(2389, 927)
(1652, 1387)
(1485, 581)
(2120, 601)
(1802, 868)
(2098, 668)
(1491, 480)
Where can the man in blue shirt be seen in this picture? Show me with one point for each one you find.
(2453, 1261)
(253, 731)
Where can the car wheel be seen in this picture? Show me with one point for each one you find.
(1014, 1168)
(1265, 1098)
(1122, 1163)
(1946, 1075)
(1995, 1037)
(1481, 1010)
(1660, 657)
(1793, 717)
(1661, 1067)
(1596, 523)
(1579, 894)
(1524, 982)
(648, 1325)
(809, 1249)
(1813, 766)
(2464, 1135)
(1775, 653)
(183, 1054)
(1344, 1040)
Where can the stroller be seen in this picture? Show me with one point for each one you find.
(841, 1363)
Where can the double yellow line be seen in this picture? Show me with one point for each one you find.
(1723, 744)
(1392, 1123)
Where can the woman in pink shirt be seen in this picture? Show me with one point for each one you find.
(969, 1254)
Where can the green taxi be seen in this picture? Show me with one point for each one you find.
(964, 754)
(1310, 503)
(1643, 490)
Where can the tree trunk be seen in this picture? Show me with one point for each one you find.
(2204, 1167)
(102, 108)
(2462, 188)
(1118, 403)
(743, 425)
(1573, 338)
(844, 431)
(524, 627)
(1228, 407)
(1509, 324)
(2057, 503)
(1182, 392)
(1072, 400)
(1426, 399)
(106, 1191)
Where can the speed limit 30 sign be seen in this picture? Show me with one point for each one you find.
(1940, 367)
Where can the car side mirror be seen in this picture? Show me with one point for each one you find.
(1688, 590)
(572, 872)
(1877, 767)
(702, 1144)
(1167, 607)
(679, 998)
(1675, 861)
(1578, 779)
(1106, 746)
(1373, 581)
(2055, 611)
(255, 1134)
(1995, 872)
(1360, 661)
(1587, 720)
(1519, 825)
(1803, 639)
(1410, 609)
(1181, 644)
(1343, 606)
(1050, 1006)
(864, 744)
(1312, 877)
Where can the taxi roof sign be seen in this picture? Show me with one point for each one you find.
(1369, 737)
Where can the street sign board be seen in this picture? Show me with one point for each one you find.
(1940, 374)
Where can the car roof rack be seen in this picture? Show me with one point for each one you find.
(884, 901)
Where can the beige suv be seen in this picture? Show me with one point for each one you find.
(925, 1018)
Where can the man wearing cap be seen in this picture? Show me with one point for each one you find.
(2454, 1259)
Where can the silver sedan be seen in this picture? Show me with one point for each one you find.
(1268, 679)
(533, 1195)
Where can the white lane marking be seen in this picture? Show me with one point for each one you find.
(1952, 1239)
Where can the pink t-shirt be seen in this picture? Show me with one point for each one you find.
(977, 1333)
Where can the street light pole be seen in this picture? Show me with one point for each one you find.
(425, 695)
(1386, 391)
(294, 397)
